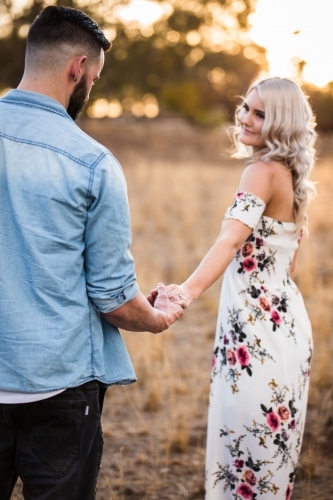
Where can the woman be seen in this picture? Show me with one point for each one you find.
(263, 340)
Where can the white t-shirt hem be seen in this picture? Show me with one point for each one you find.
(10, 397)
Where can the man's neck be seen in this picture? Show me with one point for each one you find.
(44, 87)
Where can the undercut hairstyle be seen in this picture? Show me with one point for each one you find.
(289, 136)
(58, 25)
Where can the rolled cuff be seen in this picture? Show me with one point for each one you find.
(116, 300)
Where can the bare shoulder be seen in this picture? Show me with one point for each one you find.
(257, 179)
(281, 177)
(259, 169)
(277, 166)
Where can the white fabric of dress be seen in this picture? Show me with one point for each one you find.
(261, 365)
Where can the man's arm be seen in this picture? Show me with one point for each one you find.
(138, 315)
(109, 265)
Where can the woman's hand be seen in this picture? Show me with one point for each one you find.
(177, 294)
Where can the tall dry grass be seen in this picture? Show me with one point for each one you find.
(179, 186)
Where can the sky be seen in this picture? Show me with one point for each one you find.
(300, 29)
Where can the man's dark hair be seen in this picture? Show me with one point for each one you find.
(57, 24)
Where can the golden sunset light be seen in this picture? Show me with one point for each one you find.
(293, 31)
(155, 153)
(144, 12)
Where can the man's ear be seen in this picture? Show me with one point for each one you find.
(78, 67)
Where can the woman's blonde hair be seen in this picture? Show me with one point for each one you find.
(289, 136)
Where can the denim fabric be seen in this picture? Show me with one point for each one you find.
(54, 445)
(64, 251)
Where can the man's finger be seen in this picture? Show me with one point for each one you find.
(162, 301)
(161, 290)
(151, 299)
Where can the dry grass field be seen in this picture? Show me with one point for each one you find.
(180, 182)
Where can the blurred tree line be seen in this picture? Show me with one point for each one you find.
(196, 59)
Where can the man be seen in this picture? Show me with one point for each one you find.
(66, 274)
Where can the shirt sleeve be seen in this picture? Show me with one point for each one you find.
(247, 208)
(109, 265)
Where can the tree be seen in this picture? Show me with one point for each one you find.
(196, 59)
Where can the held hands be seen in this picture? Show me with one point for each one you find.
(176, 294)
(171, 311)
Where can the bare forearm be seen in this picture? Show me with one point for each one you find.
(137, 315)
(233, 234)
(211, 268)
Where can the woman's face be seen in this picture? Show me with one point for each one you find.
(251, 117)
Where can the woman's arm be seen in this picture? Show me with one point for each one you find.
(233, 234)
(256, 179)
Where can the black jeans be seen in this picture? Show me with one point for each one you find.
(54, 445)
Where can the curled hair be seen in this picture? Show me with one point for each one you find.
(58, 24)
(289, 136)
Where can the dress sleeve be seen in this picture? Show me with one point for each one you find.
(247, 208)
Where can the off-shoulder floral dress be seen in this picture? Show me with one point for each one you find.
(261, 365)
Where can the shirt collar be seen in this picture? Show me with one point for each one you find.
(35, 100)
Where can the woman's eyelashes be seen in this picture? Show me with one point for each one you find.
(259, 114)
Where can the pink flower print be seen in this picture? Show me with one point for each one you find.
(283, 413)
(231, 357)
(249, 264)
(288, 492)
(273, 421)
(214, 360)
(239, 195)
(259, 242)
(276, 318)
(238, 463)
(247, 249)
(263, 289)
(244, 491)
(264, 304)
(249, 477)
(293, 424)
(243, 355)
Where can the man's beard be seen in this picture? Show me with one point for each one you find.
(78, 98)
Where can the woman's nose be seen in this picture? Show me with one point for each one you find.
(246, 118)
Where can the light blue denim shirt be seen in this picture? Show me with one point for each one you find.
(64, 251)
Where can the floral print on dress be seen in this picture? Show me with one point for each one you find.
(247, 208)
(260, 367)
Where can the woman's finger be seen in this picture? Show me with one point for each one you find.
(182, 303)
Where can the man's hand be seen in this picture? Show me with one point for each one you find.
(138, 315)
(162, 302)
(177, 294)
